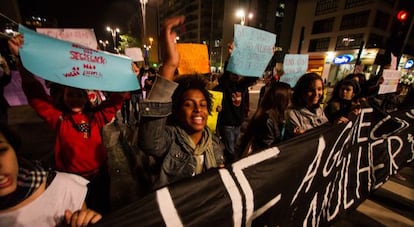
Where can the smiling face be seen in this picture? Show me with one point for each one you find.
(75, 99)
(193, 111)
(313, 94)
(8, 167)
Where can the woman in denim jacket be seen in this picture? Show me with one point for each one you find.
(174, 117)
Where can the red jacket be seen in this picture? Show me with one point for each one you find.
(73, 152)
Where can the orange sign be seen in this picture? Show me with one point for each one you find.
(193, 59)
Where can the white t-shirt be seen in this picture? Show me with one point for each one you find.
(67, 191)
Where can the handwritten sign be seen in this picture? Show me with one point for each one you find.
(75, 65)
(212, 118)
(83, 36)
(391, 79)
(193, 59)
(294, 66)
(253, 49)
(134, 53)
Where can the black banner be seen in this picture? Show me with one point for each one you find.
(307, 181)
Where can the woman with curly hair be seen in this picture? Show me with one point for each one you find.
(173, 125)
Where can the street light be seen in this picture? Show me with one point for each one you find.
(147, 48)
(113, 33)
(143, 7)
(104, 43)
(242, 15)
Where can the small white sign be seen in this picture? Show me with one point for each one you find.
(134, 53)
(391, 79)
(83, 36)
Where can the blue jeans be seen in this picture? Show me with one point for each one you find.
(229, 135)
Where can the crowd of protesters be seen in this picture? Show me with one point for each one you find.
(171, 140)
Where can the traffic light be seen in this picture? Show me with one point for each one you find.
(402, 16)
(400, 30)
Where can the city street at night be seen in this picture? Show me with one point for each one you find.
(177, 113)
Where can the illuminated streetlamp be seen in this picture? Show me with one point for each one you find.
(242, 15)
(104, 43)
(143, 7)
(113, 33)
(147, 48)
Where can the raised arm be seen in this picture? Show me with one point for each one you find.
(153, 136)
(169, 50)
(32, 87)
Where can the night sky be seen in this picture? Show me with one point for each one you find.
(96, 14)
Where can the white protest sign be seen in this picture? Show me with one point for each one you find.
(83, 36)
(134, 53)
(391, 79)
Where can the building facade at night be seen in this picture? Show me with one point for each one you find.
(327, 30)
(335, 32)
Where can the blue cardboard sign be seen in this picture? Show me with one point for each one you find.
(294, 66)
(75, 65)
(253, 49)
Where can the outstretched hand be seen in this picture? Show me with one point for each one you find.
(15, 43)
(169, 52)
(81, 217)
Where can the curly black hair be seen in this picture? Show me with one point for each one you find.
(188, 82)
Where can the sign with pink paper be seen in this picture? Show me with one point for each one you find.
(13, 92)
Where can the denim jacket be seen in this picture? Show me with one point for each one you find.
(158, 139)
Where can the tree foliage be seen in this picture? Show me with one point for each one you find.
(128, 41)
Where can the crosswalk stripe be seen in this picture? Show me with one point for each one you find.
(383, 215)
(399, 189)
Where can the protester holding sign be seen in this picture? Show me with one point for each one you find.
(235, 106)
(78, 146)
(32, 196)
(184, 147)
(306, 112)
